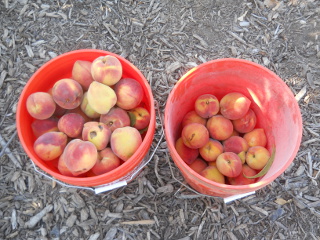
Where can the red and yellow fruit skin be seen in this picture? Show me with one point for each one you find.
(115, 118)
(97, 133)
(219, 127)
(195, 135)
(67, 93)
(229, 164)
(81, 72)
(50, 145)
(211, 150)
(80, 156)
(125, 141)
(256, 137)
(192, 117)
(234, 105)
(71, 124)
(257, 157)
(212, 173)
(107, 161)
(235, 144)
(207, 105)
(40, 105)
(188, 155)
(241, 179)
(129, 93)
(40, 127)
(106, 70)
(247, 123)
(198, 165)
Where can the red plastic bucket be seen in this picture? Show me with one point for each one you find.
(61, 67)
(273, 102)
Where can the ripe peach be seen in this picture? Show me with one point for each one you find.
(246, 123)
(229, 164)
(87, 109)
(241, 179)
(234, 105)
(219, 127)
(50, 145)
(40, 127)
(140, 117)
(115, 118)
(235, 144)
(81, 72)
(207, 105)
(71, 124)
(192, 117)
(211, 150)
(195, 135)
(198, 165)
(101, 97)
(187, 154)
(212, 173)
(97, 133)
(67, 93)
(129, 93)
(62, 167)
(59, 110)
(80, 156)
(106, 162)
(256, 137)
(40, 105)
(257, 157)
(106, 70)
(125, 141)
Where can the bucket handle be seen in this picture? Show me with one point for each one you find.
(119, 182)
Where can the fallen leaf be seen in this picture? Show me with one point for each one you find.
(270, 3)
(281, 201)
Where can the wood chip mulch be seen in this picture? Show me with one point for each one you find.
(164, 39)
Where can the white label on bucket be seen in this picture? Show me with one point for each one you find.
(238, 196)
(110, 187)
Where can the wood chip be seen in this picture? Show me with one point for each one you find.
(111, 233)
(301, 93)
(140, 222)
(165, 189)
(264, 212)
(35, 219)
(172, 67)
(310, 80)
(202, 41)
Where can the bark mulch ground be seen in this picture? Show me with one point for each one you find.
(164, 39)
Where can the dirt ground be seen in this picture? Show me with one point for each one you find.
(164, 39)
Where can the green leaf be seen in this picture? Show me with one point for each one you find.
(132, 119)
(142, 131)
(266, 167)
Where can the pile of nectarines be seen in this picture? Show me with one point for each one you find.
(91, 122)
(221, 141)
